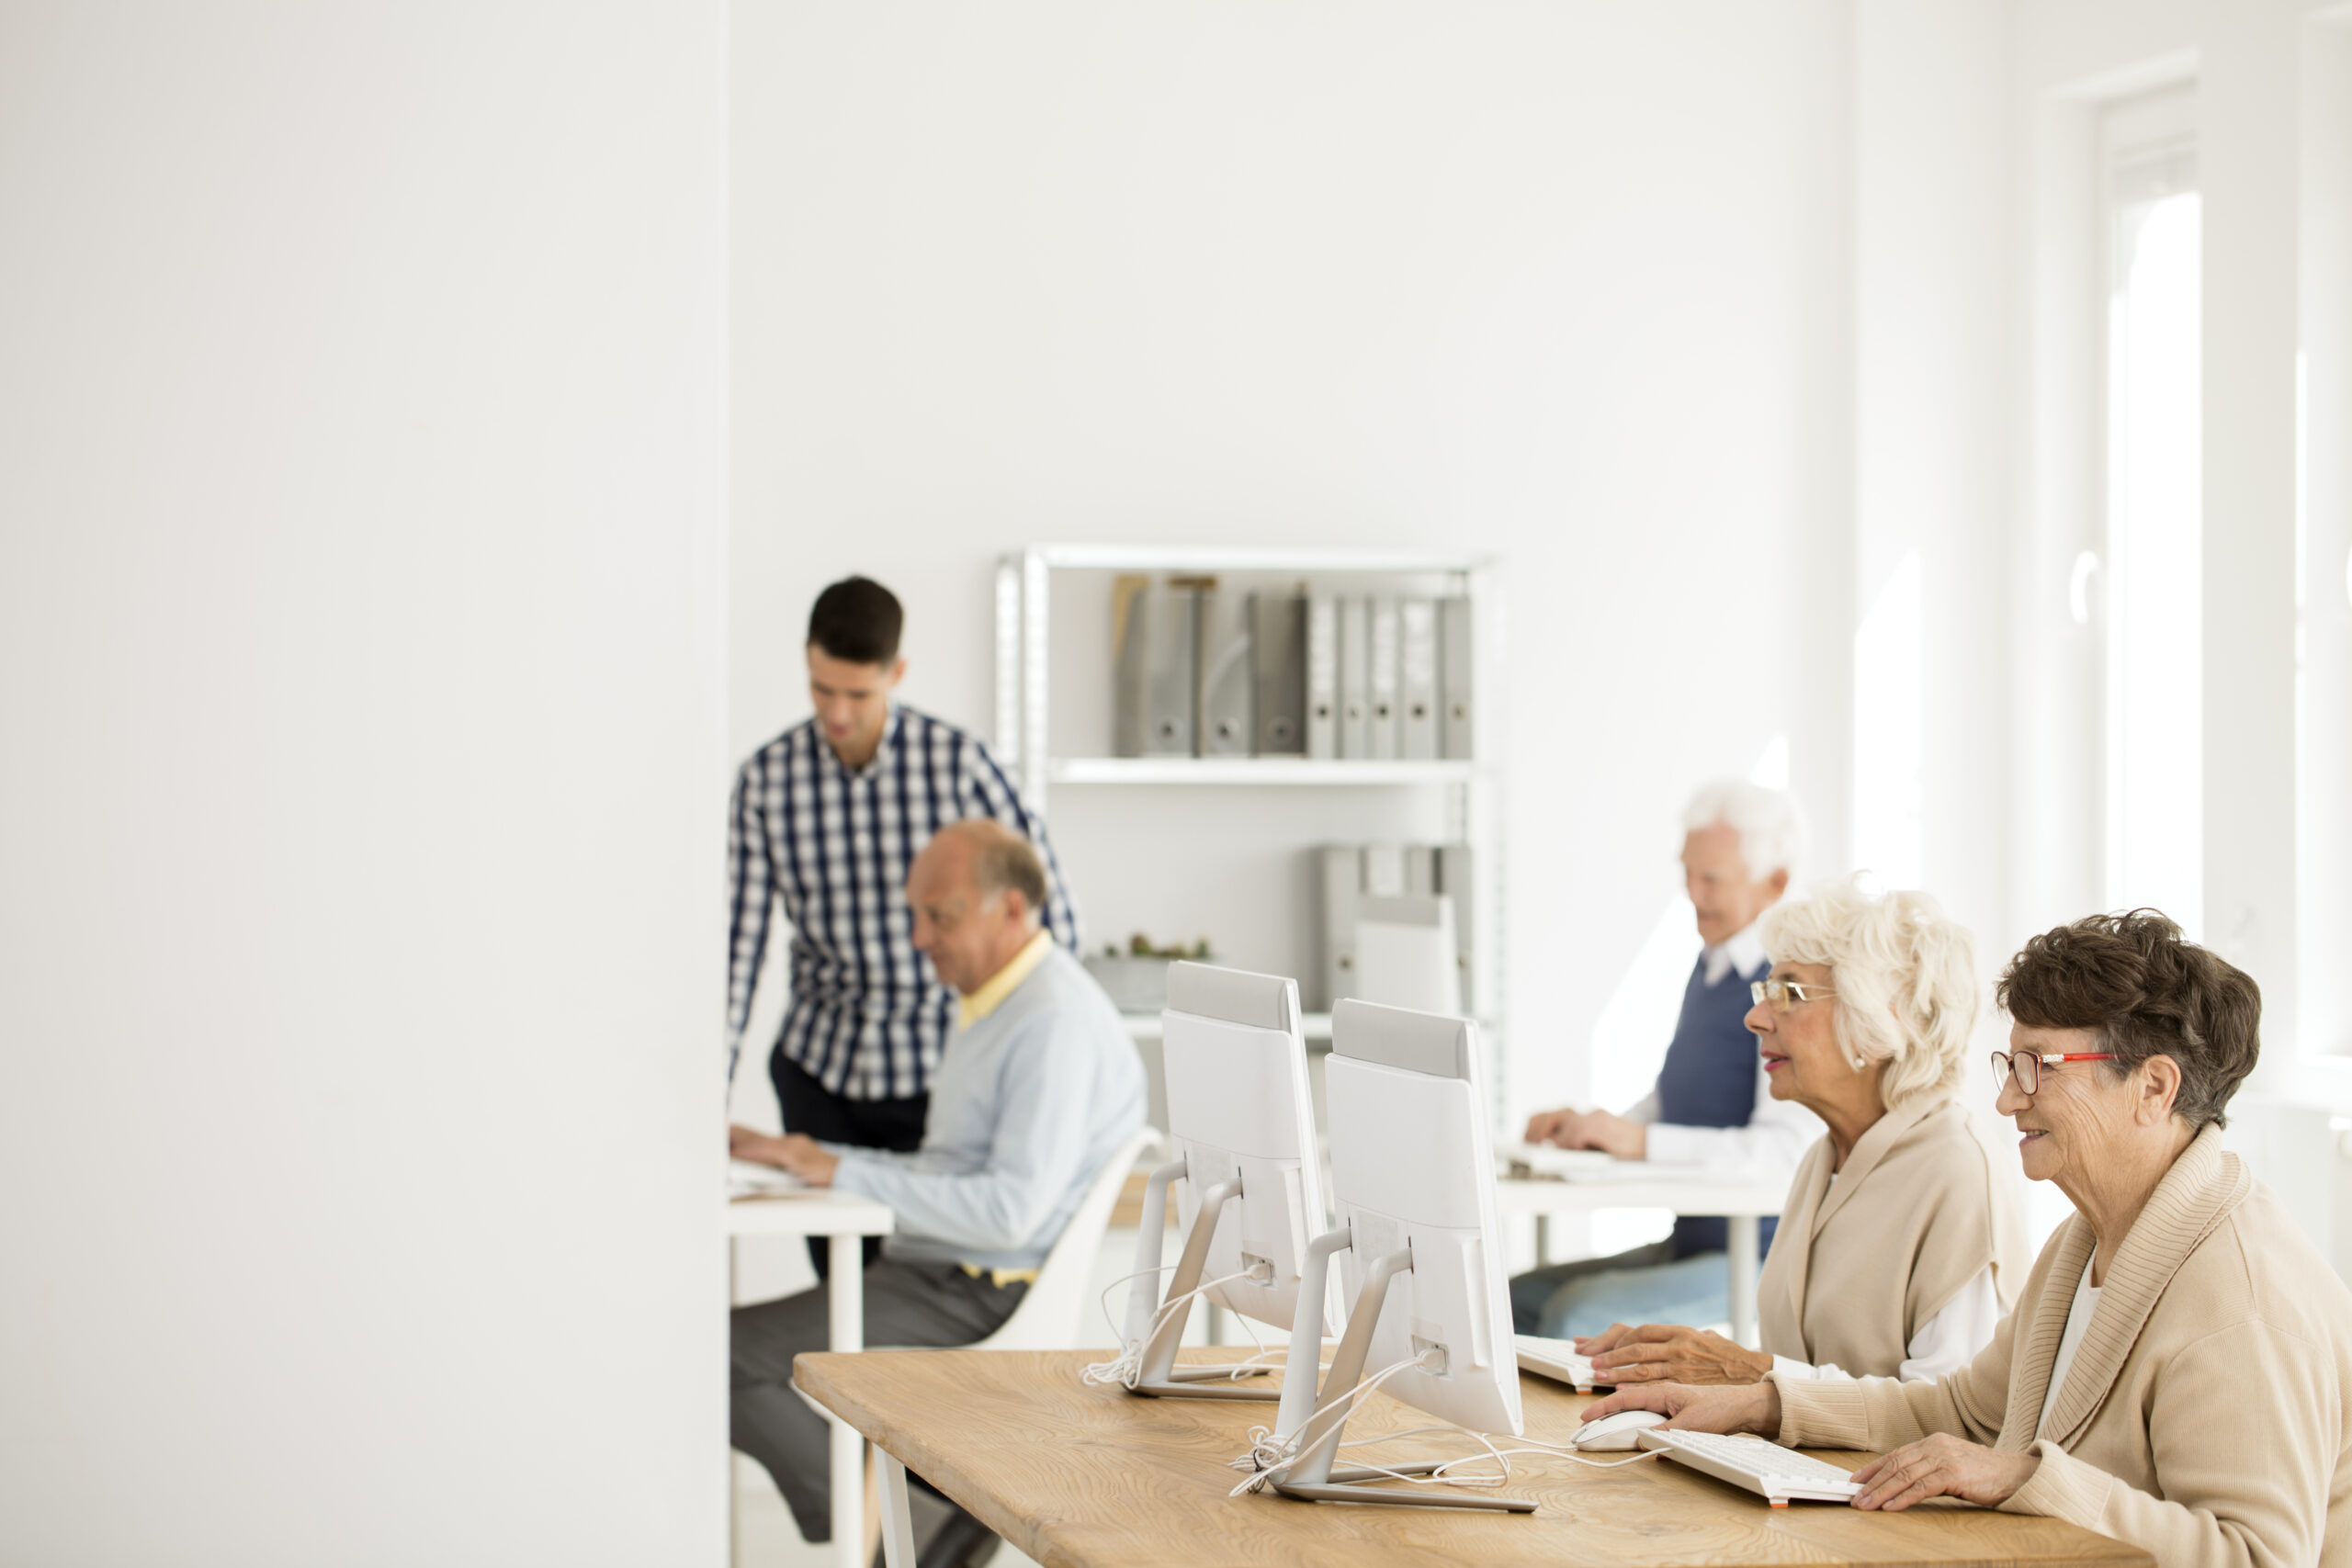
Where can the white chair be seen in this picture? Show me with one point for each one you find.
(1048, 1315)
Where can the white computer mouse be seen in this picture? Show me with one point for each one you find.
(1615, 1432)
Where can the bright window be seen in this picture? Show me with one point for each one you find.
(2155, 515)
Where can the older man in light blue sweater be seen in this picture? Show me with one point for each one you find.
(1039, 1086)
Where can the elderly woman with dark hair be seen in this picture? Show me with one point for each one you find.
(2179, 1371)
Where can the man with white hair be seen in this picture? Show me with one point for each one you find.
(1038, 1087)
(1713, 1106)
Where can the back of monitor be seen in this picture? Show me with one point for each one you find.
(1406, 953)
(1238, 1109)
(1412, 1167)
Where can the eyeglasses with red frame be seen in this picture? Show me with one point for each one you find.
(2026, 1066)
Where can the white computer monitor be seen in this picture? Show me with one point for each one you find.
(1245, 1172)
(1405, 952)
(1419, 1247)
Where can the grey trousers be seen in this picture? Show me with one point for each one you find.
(906, 1305)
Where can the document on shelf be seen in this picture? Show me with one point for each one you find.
(1454, 654)
(1381, 738)
(1227, 681)
(1417, 679)
(1355, 677)
(1322, 677)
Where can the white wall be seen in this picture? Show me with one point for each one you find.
(1566, 283)
(362, 681)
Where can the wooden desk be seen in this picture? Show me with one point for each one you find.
(1740, 1203)
(845, 1221)
(1077, 1476)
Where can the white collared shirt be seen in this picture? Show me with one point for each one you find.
(1778, 1132)
(1743, 951)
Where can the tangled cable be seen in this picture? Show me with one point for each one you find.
(1126, 1367)
(1267, 1455)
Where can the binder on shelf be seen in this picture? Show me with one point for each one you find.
(1420, 869)
(1156, 633)
(1456, 881)
(1226, 675)
(1383, 870)
(1383, 682)
(1342, 889)
(1322, 677)
(1278, 649)
(1417, 679)
(1355, 677)
(1454, 676)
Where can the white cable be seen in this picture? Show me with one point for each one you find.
(1266, 1455)
(1126, 1367)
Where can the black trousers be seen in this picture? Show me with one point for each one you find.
(810, 1107)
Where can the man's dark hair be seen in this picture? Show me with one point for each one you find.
(2147, 991)
(858, 620)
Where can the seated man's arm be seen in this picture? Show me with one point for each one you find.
(1043, 1096)
(1776, 1137)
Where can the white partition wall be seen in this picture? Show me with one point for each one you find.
(362, 416)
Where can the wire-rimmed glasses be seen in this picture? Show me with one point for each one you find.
(1784, 993)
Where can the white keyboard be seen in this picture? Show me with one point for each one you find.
(1543, 1159)
(1557, 1360)
(745, 1179)
(1764, 1468)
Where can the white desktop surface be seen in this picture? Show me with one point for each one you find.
(846, 1220)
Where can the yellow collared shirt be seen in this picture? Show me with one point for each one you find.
(971, 1010)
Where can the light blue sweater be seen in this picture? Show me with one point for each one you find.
(1027, 1105)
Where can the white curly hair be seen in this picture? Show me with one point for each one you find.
(1905, 974)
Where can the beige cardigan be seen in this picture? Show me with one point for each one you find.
(2205, 1414)
(1858, 1267)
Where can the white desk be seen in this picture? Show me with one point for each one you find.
(1740, 1203)
(845, 1222)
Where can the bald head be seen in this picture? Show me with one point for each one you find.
(977, 890)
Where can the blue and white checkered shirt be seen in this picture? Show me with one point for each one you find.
(868, 1018)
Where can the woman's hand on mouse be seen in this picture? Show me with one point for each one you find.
(1732, 1407)
(1942, 1466)
(1666, 1352)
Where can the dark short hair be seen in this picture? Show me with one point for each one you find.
(858, 620)
(1006, 861)
(2147, 991)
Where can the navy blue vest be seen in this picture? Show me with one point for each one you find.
(1709, 1080)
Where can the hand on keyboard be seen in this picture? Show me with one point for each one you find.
(1943, 1466)
(1666, 1352)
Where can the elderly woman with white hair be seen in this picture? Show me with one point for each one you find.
(1900, 1245)
(2179, 1371)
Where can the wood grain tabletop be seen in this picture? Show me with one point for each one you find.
(1082, 1477)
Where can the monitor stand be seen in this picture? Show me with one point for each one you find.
(1309, 1477)
(1159, 1376)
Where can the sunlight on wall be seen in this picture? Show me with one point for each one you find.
(1888, 724)
(2156, 663)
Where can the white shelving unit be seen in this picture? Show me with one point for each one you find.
(1025, 742)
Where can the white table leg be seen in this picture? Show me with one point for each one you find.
(734, 1504)
(1742, 1242)
(898, 1525)
(845, 1325)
